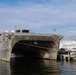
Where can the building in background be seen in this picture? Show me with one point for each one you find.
(67, 49)
(68, 44)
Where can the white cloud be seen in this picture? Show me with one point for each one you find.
(72, 33)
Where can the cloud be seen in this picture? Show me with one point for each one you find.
(72, 33)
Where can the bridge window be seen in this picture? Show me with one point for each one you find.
(25, 31)
(17, 30)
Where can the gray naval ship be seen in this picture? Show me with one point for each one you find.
(21, 42)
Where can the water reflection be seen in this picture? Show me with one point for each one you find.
(67, 68)
(34, 67)
(20, 66)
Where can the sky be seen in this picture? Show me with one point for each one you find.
(40, 16)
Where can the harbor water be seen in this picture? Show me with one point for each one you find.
(21, 66)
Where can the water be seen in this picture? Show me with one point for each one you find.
(20, 66)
